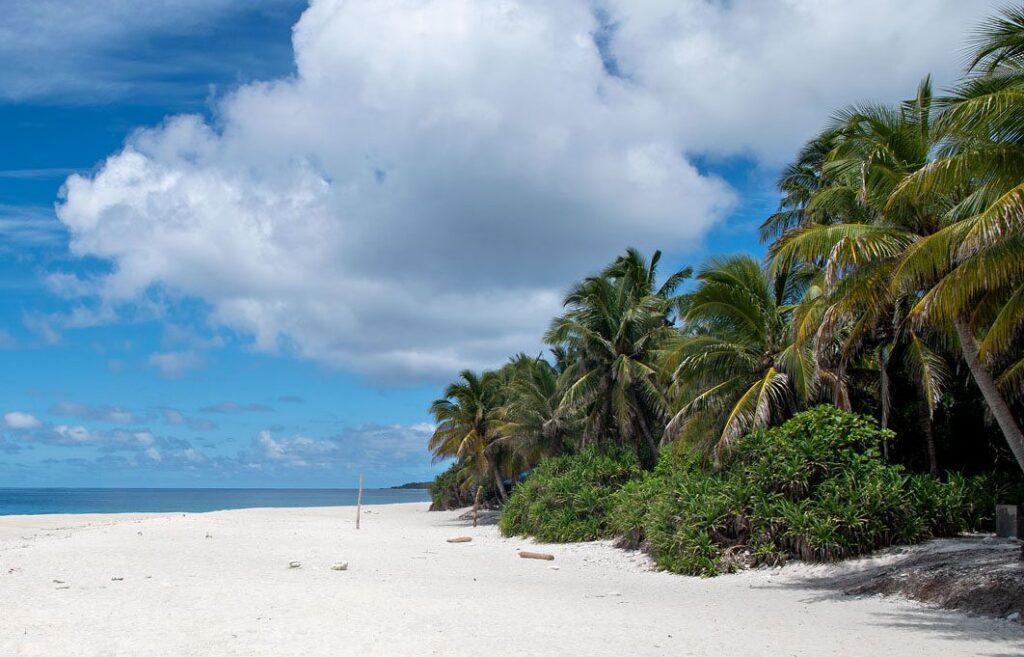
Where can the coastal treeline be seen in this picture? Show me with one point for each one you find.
(892, 293)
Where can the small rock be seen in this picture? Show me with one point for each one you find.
(341, 565)
(209, 535)
(58, 581)
(552, 567)
(116, 579)
(61, 588)
(1014, 617)
(295, 564)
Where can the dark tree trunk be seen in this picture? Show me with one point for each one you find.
(501, 486)
(995, 400)
(883, 382)
(929, 440)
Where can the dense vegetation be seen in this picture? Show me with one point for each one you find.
(893, 288)
(815, 488)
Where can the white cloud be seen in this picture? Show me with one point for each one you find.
(64, 434)
(416, 198)
(174, 364)
(374, 448)
(19, 420)
(112, 414)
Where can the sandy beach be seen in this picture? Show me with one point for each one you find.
(220, 584)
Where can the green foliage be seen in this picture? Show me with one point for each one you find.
(454, 489)
(814, 488)
(566, 498)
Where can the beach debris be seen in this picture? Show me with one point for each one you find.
(295, 564)
(139, 533)
(58, 581)
(61, 588)
(460, 539)
(209, 535)
(553, 568)
(341, 565)
(116, 579)
(537, 555)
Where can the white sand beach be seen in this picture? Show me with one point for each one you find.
(140, 585)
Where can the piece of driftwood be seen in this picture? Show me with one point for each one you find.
(537, 555)
(460, 539)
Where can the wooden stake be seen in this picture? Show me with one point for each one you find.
(359, 499)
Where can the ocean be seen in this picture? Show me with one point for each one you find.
(34, 501)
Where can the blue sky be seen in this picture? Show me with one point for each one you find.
(233, 259)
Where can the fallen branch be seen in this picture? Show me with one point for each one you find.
(460, 539)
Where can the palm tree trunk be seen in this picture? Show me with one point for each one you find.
(883, 381)
(501, 486)
(929, 440)
(645, 429)
(476, 501)
(995, 400)
(842, 391)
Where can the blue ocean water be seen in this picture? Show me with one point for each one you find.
(32, 501)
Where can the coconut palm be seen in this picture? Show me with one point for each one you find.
(859, 315)
(464, 429)
(613, 326)
(530, 423)
(970, 273)
(734, 367)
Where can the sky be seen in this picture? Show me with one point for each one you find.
(246, 244)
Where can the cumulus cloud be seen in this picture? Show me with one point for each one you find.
(415, 198)
(19, 420)
(174, 364)
(112, 414)
(370, 447)
(175, 417)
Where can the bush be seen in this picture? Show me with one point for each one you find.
(566, 498)
(451, 490)
(814, 488)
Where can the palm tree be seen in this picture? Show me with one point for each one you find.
(613, 326)
(735, 367)
(859, 314)
(530, 422)
(970, 272)
(464, 431)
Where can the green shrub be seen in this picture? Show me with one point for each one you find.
(566, 498)
(814, 488)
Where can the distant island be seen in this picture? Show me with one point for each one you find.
(413, 485)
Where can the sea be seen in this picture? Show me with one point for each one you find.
(34, 501)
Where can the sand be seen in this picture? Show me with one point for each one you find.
(140, 585)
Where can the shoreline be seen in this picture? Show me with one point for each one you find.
(154, 584)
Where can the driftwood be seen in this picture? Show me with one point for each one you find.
(460, 539)
(537, 555)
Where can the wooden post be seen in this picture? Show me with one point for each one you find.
(359, 499)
